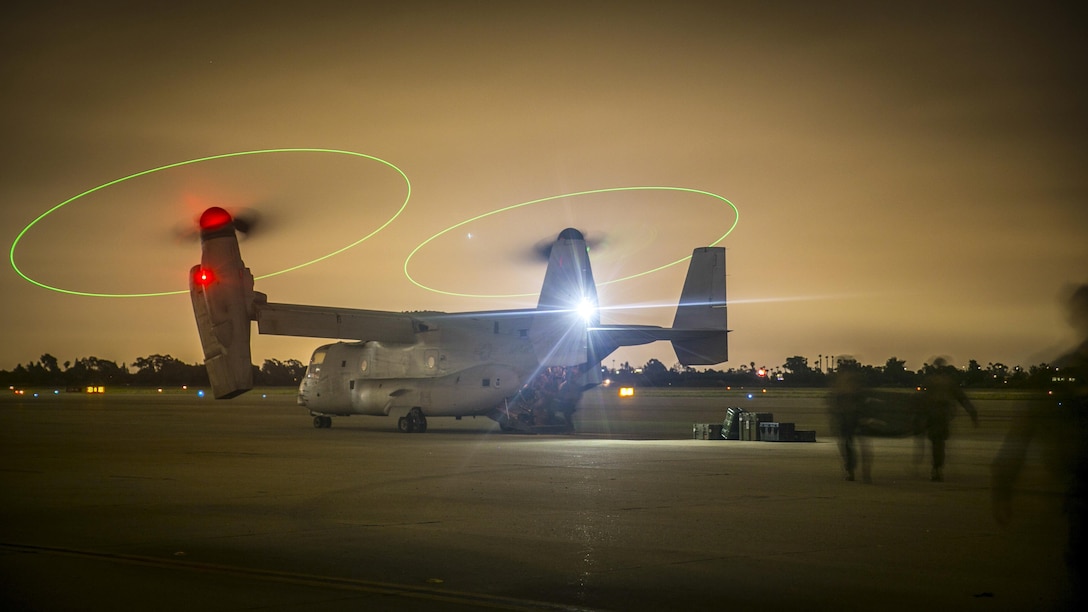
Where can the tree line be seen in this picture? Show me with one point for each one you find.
(166, 371)
(796, 372)
(151, 371)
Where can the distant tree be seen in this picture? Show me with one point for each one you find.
(53, 372)
(974, 376)
(997, 374)
(276, 373)
(1041, 376)
(36, 374)
(895, 374)
(166, 371)
(655, 373)
(95, 371)
(799, 374)
(19, 377)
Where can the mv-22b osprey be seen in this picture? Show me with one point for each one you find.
(526, 369)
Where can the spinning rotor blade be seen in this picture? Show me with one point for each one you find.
(542, 250)
(246, 222)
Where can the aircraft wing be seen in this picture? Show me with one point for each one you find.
(342, 323)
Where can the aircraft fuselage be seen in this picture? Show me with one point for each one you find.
(459, 367)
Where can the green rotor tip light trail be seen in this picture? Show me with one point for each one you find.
(736, 219)
(52, 210)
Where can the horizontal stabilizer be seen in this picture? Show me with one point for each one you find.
(708, 349)
(699, 333)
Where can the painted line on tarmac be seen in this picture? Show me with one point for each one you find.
(373, 587)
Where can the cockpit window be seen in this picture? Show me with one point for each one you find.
(319, 357)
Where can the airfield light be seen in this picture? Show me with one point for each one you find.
(627, 391)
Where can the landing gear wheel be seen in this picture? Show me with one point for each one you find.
(417, 423)
(322, 422)
(318, 423)
(403, 426)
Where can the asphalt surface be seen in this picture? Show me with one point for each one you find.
(170, 502)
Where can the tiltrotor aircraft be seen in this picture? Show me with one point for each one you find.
(526, 369)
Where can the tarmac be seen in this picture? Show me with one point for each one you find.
(172, 502)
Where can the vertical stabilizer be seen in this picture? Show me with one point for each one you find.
(702, 308)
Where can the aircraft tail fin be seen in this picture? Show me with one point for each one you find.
(224, 303)
(703, 308)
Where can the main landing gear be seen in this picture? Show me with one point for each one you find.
(322, 422)
(413, 422)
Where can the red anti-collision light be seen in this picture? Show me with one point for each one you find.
(203, 277)
(214, 218)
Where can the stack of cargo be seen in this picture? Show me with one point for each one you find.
(750, 424)
(706, 431)
(739, 424)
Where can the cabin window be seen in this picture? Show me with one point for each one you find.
(486, 382)
(344, 364)
(351, 384)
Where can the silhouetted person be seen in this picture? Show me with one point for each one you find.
(846, 404)
(940, 395)
(1060, 424)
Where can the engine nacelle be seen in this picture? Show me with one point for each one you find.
(221, 288)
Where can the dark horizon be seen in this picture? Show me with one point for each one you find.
(161, 369)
